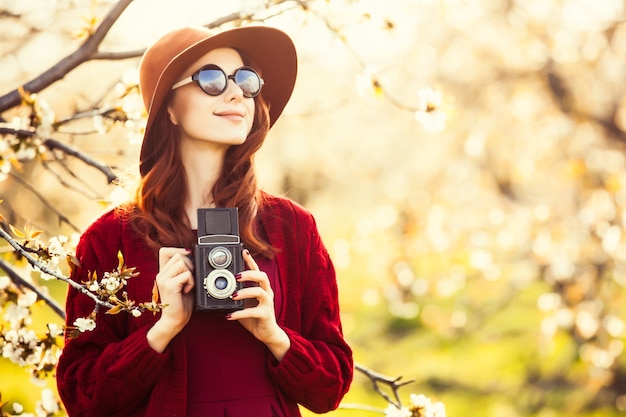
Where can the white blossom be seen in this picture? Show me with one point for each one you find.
(98, 124)
(17, 315)
(426, 407)
(46, 115)
(84, 324)
(110, 283)
(48, 404)
(19, 122)
(4, 282)
(393, 411)
(54, 329)
(26, 153)
(433, 121)
(17, 344)
(430, 113)
(27, 299)
(420, 400)
(5, 166)
(367, 84)
(439, 410)
(55, 245)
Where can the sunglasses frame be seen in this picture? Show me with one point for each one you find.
(196, 77)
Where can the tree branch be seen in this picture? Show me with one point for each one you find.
(48, 204)
(393, 383)
(76, 153)
(89, 51)
(53, 144)
(47, 270)
(83, 54)
(21, 282)
(87, 191)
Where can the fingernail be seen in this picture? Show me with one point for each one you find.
(246, 251)
(228, 316)
(238, 276)
(233, 295)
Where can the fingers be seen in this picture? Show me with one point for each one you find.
(249, 260)
(259, 305)
(254, 293)
(175, 270)
(166, 254)
(257, 292)
(254, 275)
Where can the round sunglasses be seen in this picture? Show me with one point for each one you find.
(214, 81)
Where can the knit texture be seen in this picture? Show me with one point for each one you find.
(112, 371)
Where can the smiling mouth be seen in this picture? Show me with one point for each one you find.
(230, 115)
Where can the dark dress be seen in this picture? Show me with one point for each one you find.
(227, 372)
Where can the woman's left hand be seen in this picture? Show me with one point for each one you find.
(259, 319)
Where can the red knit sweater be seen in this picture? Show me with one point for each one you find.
(112, 371)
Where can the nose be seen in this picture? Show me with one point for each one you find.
(233, 91)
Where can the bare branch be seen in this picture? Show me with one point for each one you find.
(393, 383)
(21, 282)
(89, 51)
(83, 54)
(70, 150)
(47, 270)
(48, 204)
(53, 144)
(88, 191)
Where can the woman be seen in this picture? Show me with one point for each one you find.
(211, 99)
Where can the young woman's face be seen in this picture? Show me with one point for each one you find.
(225, 119)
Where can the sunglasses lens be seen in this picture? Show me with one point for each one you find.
(212, 81)
(248, 81)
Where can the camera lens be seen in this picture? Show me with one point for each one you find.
(220, 257)
(220, 284)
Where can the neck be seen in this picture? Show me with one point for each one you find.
(203, 164)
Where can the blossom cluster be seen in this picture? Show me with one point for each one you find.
(127, 108)
(421, 406)
(20, 344)
(47, 406)
(49, 254)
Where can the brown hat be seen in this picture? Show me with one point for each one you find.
(168, 58)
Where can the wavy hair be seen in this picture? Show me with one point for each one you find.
(158, 210)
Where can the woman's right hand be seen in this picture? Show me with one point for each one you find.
(175, 282)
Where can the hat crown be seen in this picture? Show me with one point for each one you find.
(158, 56)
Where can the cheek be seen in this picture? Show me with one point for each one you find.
(189, 110)
(177, 109)
(250, 111)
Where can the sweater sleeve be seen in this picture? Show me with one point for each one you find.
(317, 370)
(104, 372)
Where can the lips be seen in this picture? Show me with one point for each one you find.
(230, 114)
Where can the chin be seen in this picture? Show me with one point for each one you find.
(238, 141)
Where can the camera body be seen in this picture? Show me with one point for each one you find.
(218, 258)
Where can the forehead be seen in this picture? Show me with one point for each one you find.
(226, 58)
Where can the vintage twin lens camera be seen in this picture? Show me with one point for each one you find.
(218, 258)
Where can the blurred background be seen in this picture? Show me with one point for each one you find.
(464, 160)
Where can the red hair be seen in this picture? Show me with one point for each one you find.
(158, 210)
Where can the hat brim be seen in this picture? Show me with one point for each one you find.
(271, 50)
